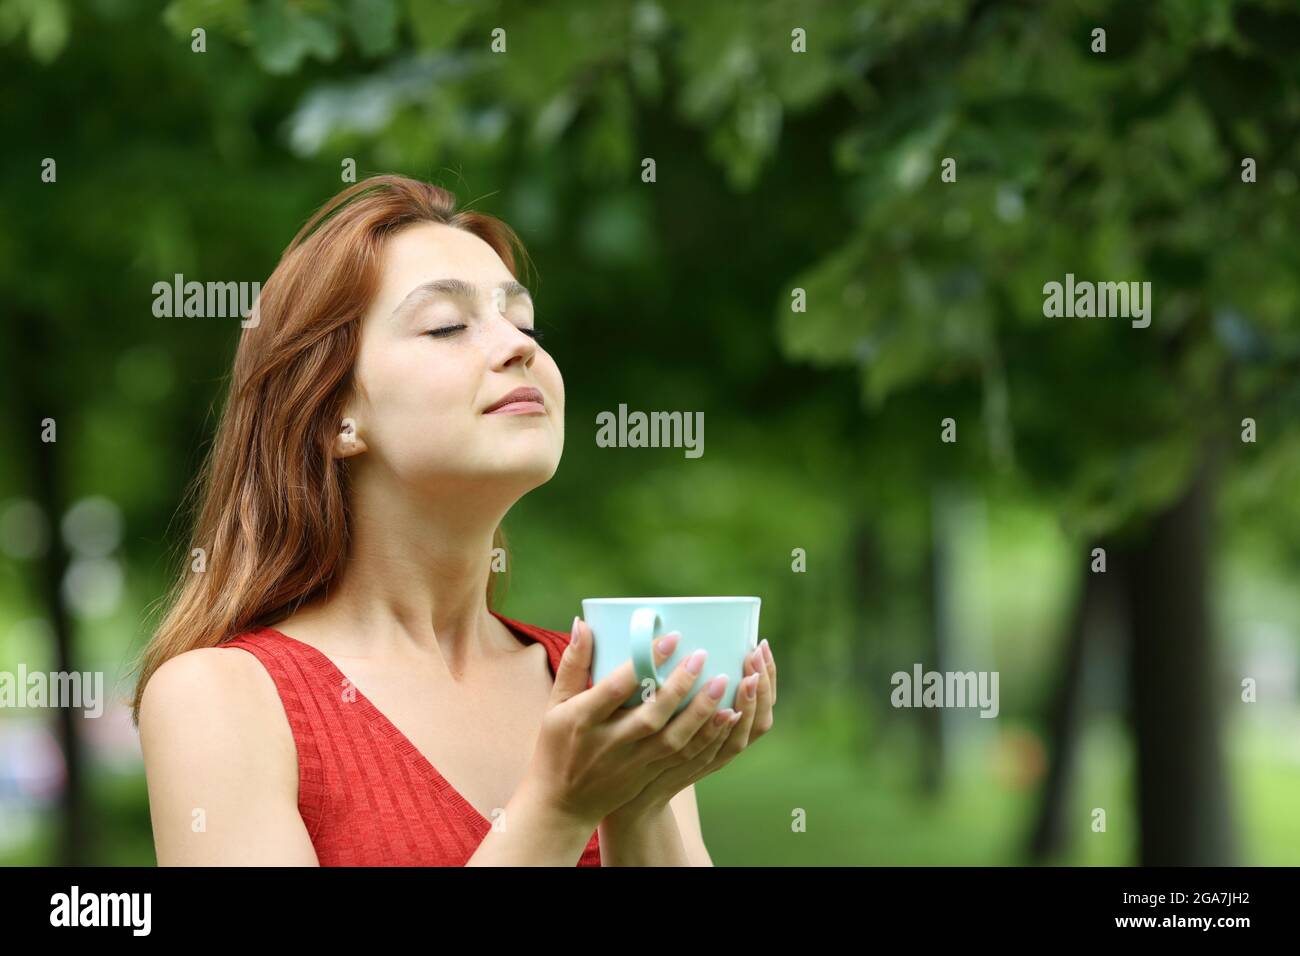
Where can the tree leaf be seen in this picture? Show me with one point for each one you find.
(375, 24)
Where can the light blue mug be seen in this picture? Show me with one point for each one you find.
(623, 628)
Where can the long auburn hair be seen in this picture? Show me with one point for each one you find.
(271, 500)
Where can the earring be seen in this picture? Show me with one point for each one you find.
(349, 434)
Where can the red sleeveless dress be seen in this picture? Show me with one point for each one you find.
(366, 794)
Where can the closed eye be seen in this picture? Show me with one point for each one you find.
(535, 334)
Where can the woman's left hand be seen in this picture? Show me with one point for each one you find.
(754, 699)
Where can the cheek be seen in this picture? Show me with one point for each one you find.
(548, 373)
(418, 399)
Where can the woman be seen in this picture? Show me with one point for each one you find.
(387, 408)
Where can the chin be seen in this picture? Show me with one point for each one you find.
(540, 470)
(525, 471)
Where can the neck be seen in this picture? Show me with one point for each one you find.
(417, 571)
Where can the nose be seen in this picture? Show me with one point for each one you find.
(510, 345)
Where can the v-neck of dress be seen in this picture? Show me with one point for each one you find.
(390, 731)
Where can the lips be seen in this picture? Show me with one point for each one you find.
(521, 399)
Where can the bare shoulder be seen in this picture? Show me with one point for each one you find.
(220, 762)
(209, 695)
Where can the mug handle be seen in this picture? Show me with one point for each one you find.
(644, 626)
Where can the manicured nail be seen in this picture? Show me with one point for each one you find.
(716, 686)
(757, 659)
(767, 650)
(573, 632)
(753, 686)
(735, 716)
(722, 717)
(695, 663)
(668, 643)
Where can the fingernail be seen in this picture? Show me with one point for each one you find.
(757, 659)
(735, 716)
(716, 686)
(573, 632)
(668, 643)
(722, 717)
(767, 650)
(753, 686)
(695, 663)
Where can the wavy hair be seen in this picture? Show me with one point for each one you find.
(271, 501)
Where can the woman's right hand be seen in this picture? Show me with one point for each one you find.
(593, 755)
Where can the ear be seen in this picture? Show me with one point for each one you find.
(347, 442)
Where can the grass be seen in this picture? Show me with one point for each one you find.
(869, 810)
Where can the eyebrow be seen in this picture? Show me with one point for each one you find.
(456, 289)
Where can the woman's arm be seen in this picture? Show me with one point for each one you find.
(219, 795)
(650, 832)
(687, 813)
(532, 833)
(665, 836)
(221, 765)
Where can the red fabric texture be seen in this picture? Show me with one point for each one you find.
(366, 794)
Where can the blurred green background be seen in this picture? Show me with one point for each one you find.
(798, 270)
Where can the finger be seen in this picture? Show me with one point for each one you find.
(690, 730)
(574, 673)
(730, 721)
(698, 756)
(704, 749)
(713, 729)
(727, 719)
(747, 701)
(606, 696)
(771, 665)
(764, 698)
(650, 716)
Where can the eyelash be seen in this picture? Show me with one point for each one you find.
(535, 334)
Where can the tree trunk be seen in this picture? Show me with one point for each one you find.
(936, 632)
(1050, 834)
(1183, 806)
(868, 633)
(37, 400)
